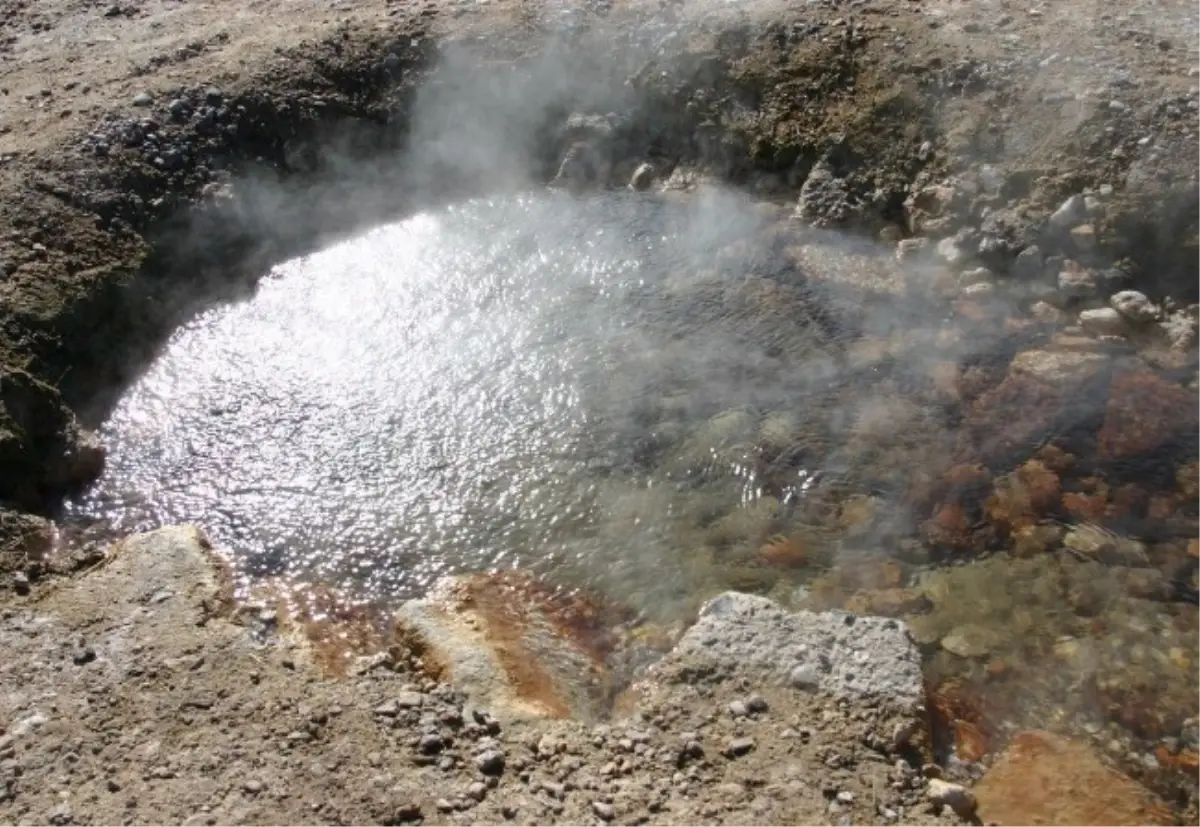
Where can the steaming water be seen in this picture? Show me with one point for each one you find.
(478, 387)
(602, 390)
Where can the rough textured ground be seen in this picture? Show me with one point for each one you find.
(128, 133)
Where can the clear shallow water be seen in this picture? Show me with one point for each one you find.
(510, 382)
(635, 395)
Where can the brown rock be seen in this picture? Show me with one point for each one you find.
(1084, 506)
(1059, 365)
(948, 528)
(1045, 779)
(1187, 477)
(504, 636)
(1031, 540)
(887, 602)
(1144, 412)
(1020, 498)
(1018, 413)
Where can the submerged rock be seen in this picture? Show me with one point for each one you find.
(1144, 412)
(1046, 779)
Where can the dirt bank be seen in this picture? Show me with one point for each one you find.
(156, 156)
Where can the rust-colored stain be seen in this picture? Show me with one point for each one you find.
(338, 630)
(1047, 779)
(958, 720)
(512, 609)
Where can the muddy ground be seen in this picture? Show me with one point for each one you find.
(155, 156)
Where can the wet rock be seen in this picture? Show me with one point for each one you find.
(1021, 498)
(1180, 331)
(911, 248)
(582, 166)
(1083, 238)
(1187, 478)
(642, 178)
(1072, 212)
(955, 796)
(1076, 281)
(41, 445)
(1132, 426)
(1045, 313)
(1058, 367)
(506, 640)
(1046, 779)
(952, 252)
(1031, 540)
(1134, 306)
(843, 655)
(970, 641)
(935, 210)
(825, 198)
(1103, 321)
(1029, 264)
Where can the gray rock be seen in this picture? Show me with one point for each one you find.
(431, 743)
(1189, 734)
(757, 704)
(1180, 330)
(910, 248)
(1134, 306)
(1029, 264)
(738, 709)
(1076, 282)
(253, 786)
(951, 252)
(824, 197)
(642, 177)
(490, 762)
(603, 810)
(179, 109)
(1072, 212)
(20, 583)
(410, 700)
(1103, 321)
(805, 677)
(955, 796)
(837, 653)
(976, 275)
(738, 747)
(142, 99)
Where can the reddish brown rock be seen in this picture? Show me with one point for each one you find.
(784, 551)
(528, 649)
(887, 602)
(1013, 417)
(1046, 779)
(1021, 498)
(1144, 412)
(1087, 507)
(948, 528)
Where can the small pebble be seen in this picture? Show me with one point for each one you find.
(738, 747)
(603, 810)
